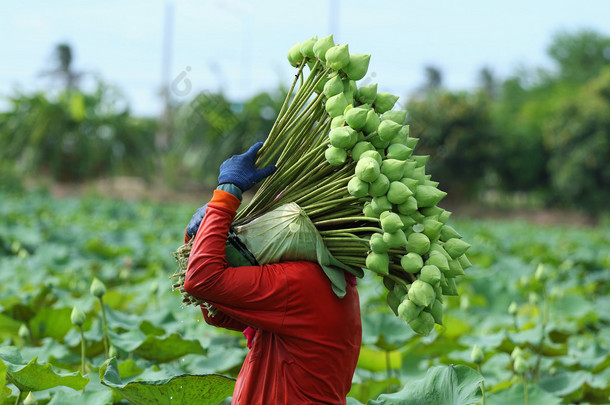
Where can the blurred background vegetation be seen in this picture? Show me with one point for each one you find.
(541, 136)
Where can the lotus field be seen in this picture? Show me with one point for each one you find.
(531, 324)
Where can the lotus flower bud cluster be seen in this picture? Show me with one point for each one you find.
(345, 155)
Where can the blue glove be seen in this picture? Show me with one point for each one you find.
(240, 170)
(193, 226)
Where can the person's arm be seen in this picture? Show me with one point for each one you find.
(254, 295)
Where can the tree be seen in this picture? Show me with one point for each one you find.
(581, 55)
(64, 69)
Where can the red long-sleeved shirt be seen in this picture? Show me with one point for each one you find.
(307, 339)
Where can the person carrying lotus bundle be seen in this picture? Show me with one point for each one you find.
(304, 340)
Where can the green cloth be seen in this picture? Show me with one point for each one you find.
(287, 234)
(230, 188)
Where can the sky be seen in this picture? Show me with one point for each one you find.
(240, 47)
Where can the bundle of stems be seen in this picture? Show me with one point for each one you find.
(296, 144)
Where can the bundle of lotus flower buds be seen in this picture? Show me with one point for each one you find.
(344, 155)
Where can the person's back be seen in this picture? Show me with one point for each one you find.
(307, 340)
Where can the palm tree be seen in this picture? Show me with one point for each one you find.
(64, 70)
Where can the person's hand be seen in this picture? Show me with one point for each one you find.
(193, 226)
(240, 170)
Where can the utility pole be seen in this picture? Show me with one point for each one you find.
(165, 124)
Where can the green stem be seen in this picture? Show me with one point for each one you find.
(82, 351)
(545, 316)
(482, 385)
(388, 366)
(359, 229)
(104, 327)
(343, 220)
(525, 393)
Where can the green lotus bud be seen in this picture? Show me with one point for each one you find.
(372, 154)
(423, 324)
(513, 308)
(408, 221)
(418, 228)
(402, 137)
(97, 288)
(321, 83)
(77, 316)
(357, 187)
(380, 186)
(377, 141)
(421, 293)
(367, 210)
(516, 353)
(408, 207)
(412, 142)
(387, 130)
(384, 102)
(112, 352)
(520, 365)
(456, 247)
(398, 117)
(307, 47)
(322, 45)
(436, 310)
(432, 228)
(455, 269)
(358, 65)
(430, 183)
(447, 233)
(372, 121)
(418, 243)
(393, 169)
(541, 273)
(30, 399)
(337, 122)
(23, 332)
(428, 196)
(360, 148)
(377, 244)
(335, 156)
(411, 183)
(430, 274)
(438, 260)
(367, 94)
(464, 262)
(367, 169)
(356, 117)
(378, 262)
(421, 160)
(410, 173)
(476, 355)
(337, 57)
(340, 137)
(380, 204)
(398, 193)
(412, 262)
(398, 151)
(294, 55)
(433, 211)
(391, 222)
(444, 216)
(408, 311)
(449, 288)
(333, 86)
(335, 105)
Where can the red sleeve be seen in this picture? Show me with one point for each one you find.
(253, 295)
(222, 320)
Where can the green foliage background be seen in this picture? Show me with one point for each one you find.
(51, 249)
(539, 131)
